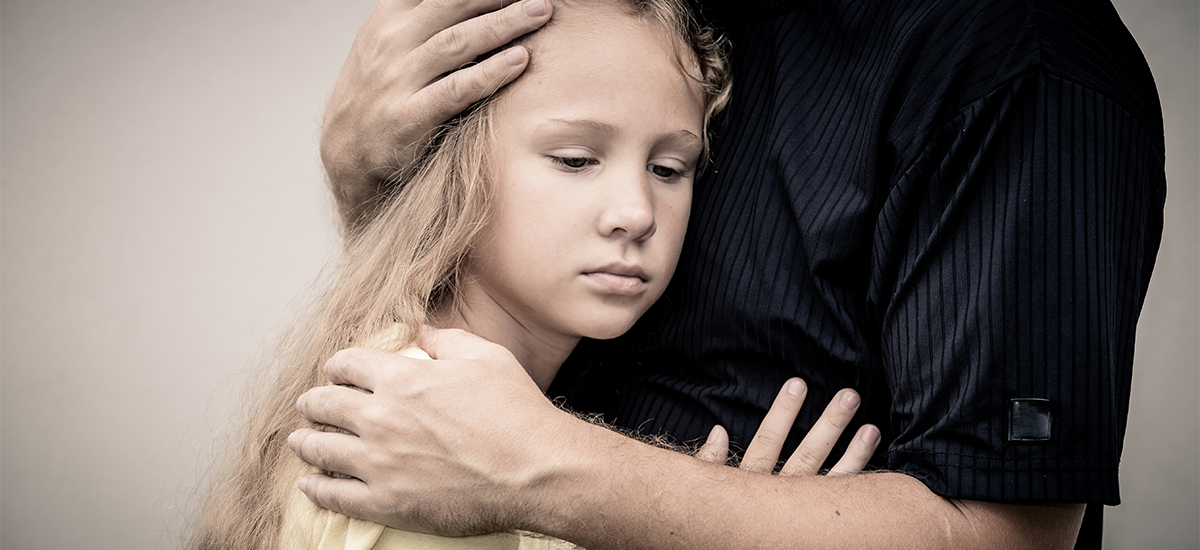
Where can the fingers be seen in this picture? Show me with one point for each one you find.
(454, 344)
(441, 100)
(716, 447)
(432, 16)
(333, 405)
(453, 38)
(339, 495)
(763, 452)
(330, 451)
(364, 368)
(858, 453)
(820, 440)
(412, 68)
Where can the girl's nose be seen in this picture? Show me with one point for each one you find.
(629, 211)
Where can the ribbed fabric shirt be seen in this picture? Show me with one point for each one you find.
(951, 206)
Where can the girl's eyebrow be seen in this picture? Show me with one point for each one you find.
(593, 125)
(681, 138)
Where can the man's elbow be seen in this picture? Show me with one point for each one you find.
(999, 525)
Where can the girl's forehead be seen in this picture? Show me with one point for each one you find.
(589, 43)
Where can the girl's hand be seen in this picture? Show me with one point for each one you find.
(763, 453)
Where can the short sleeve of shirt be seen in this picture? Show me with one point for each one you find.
(1010, 262)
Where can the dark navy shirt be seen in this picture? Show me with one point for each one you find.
(951, 206)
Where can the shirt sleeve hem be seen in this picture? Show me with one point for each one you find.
(1024, 480)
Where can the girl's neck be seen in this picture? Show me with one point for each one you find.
(541, 352)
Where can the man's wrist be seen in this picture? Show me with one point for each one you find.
(569, 453)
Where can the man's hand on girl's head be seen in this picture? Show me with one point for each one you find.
(412, 67)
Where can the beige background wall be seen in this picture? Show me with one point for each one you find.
(162, 206)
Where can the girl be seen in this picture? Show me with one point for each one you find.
(553, 211)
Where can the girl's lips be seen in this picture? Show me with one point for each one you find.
(613, 283)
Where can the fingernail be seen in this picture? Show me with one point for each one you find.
(849, 401)
(871, 435)
(514, 56)
(795, 386)
(292, 440)
(303, 484)
(535, 8)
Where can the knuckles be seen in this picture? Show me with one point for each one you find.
(308, 449)
(495, 29)
(452, 42)
(458, 6)
(770, 438)
(378, 418)
(810, 458)
(339, 364)
(313, 401)
(349, 354)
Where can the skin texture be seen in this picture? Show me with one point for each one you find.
(590, 203)
(431, 453)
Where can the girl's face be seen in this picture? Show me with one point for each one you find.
(593, 157)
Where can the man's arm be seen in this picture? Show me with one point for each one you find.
(410, 69)
(470, 445)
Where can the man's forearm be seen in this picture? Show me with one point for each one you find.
(610, 492)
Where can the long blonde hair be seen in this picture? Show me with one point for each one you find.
(405, 263)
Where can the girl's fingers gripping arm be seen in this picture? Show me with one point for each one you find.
(716, 447)
(764, 449)
(860, 450)
(815, 447)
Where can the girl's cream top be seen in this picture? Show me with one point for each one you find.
(308, 527)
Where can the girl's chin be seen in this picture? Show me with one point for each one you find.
(610, 329)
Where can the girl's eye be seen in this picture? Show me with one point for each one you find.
(663, 171)
(574, 163)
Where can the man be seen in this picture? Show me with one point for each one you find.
(953, 207)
